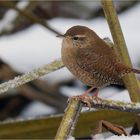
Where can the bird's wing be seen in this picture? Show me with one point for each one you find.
(98, 63)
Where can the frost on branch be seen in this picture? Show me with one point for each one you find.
(30, 76)
(96, 102)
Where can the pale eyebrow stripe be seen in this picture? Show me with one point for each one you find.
(80, 36)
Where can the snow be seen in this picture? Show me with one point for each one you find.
(6, 23)
(22, 4)
(98, 137)
(37, 46)
(71, 91)
(35, 109)
(120, 96)
(70, 138)
(134, 137)
(115, 137)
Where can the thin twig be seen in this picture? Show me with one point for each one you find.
(69, 120)
(30, 76)
(95, 102)
(30, 16)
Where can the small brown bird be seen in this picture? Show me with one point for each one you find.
(91, 60)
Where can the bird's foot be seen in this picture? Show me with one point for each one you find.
(86, 99)
(89, 99)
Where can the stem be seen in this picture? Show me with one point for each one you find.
(69, 120)
(130, 80)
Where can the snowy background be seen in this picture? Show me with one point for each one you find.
(34, 47)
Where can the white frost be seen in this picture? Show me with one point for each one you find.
(134, 137)
(98, 137)
(70, 138)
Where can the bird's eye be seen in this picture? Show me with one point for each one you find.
(75, 38)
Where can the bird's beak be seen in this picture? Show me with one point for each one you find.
(60, 36)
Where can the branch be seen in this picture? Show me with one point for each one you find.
(130, 80)
(29, 16)
(95, 102)
(69, 120)
(30, 76)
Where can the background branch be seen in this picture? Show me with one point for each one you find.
(29, 16)
(39, 127)
(30, 76)
(37, 90)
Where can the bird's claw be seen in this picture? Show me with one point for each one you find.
(87, 100)
(84, 99)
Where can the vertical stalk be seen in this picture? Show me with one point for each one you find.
(130, 80)
(69, 120)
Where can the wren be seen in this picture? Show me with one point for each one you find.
(90, 59)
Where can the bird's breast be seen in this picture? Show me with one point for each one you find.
(69, 60)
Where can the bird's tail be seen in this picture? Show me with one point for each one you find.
(123, 70)
(129, 70)
(135, 70)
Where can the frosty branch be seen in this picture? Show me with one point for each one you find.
(30, 76)
(69, 120)
(74, 107)
(95, 102)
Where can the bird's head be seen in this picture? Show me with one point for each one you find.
(77, 36)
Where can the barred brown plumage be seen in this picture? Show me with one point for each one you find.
(90, 59)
